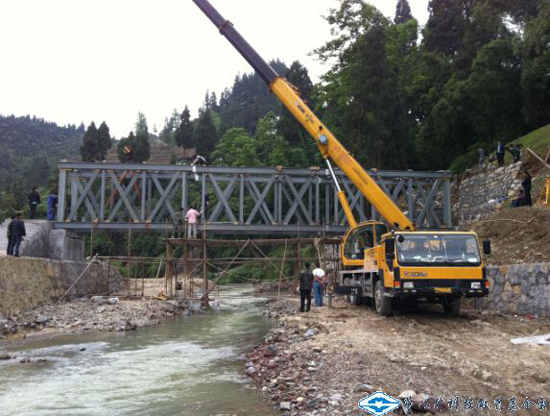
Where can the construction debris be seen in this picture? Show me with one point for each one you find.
(535, 340)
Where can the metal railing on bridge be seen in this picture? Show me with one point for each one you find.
(235, 200)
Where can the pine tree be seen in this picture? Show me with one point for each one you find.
(141, 124)
(447, 25)
(105, 141)
(184, 133)
(90, 151)
(402, 12)
(288, 127)
(142, 150)
(125, 148)
(205, 135)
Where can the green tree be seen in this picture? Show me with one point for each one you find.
(105, 141)
(184, 132)
(291, 130)
(447, 25)
(402, 12)
(535, 78)
(236, 148)
(133, 149)
(91, 149)
(168, 132)
(141, 124)
(358, 100)
(494, 93)
(205, 134)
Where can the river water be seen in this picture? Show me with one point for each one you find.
(187, 367)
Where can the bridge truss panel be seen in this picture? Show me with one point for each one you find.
(108, 196)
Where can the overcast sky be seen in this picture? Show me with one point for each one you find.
(93, 60)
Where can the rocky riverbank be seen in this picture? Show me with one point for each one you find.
(92, 314)
(325, 361)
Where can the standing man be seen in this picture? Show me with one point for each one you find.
(481, 159)
(34, 201)
(305, 286)
(51, 205)
(191, 217)
(501, 149)
(319, 281)
(9, 251)
(18, 232)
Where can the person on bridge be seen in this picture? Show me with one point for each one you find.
(192, 218)
(18, 232)
(34, 201)
(319, 281)
(305, 286)
(51, 205)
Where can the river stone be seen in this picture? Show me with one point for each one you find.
(364, 388)
(43, 320)
(285, 406)
(310, 333)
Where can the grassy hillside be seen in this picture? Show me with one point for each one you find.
(538, 141)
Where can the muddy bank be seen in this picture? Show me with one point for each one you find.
(92, 314)
(325, 361)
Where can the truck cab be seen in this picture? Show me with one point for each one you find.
(420, 266)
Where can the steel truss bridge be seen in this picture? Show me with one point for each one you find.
(252, 201)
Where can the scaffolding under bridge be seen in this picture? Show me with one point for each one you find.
(236, 200)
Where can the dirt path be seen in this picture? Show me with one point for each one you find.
(424, 351)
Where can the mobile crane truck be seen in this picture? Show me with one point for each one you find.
(387, 261)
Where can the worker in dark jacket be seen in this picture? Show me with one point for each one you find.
(51, 205)
(526, 183)
(501, 149)
(305, 286)
(34, 201)
(9, 251)
(18, 232)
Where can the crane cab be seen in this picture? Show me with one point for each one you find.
(359, 244)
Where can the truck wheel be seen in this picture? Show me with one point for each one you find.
(451, 306)
(356, 300)
(381, 303)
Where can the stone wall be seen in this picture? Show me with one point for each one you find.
(519, 289)
(480, 193)
(53, 244)
(27, 282)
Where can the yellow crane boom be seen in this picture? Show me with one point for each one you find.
(329, 146)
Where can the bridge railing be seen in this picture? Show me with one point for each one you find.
(235, 200)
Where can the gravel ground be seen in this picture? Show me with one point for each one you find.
(325, 361)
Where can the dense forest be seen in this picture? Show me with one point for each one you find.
(399, 96)
(30, 150)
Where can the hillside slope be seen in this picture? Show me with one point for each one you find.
(31, 146)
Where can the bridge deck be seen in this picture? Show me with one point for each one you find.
(247, 201)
